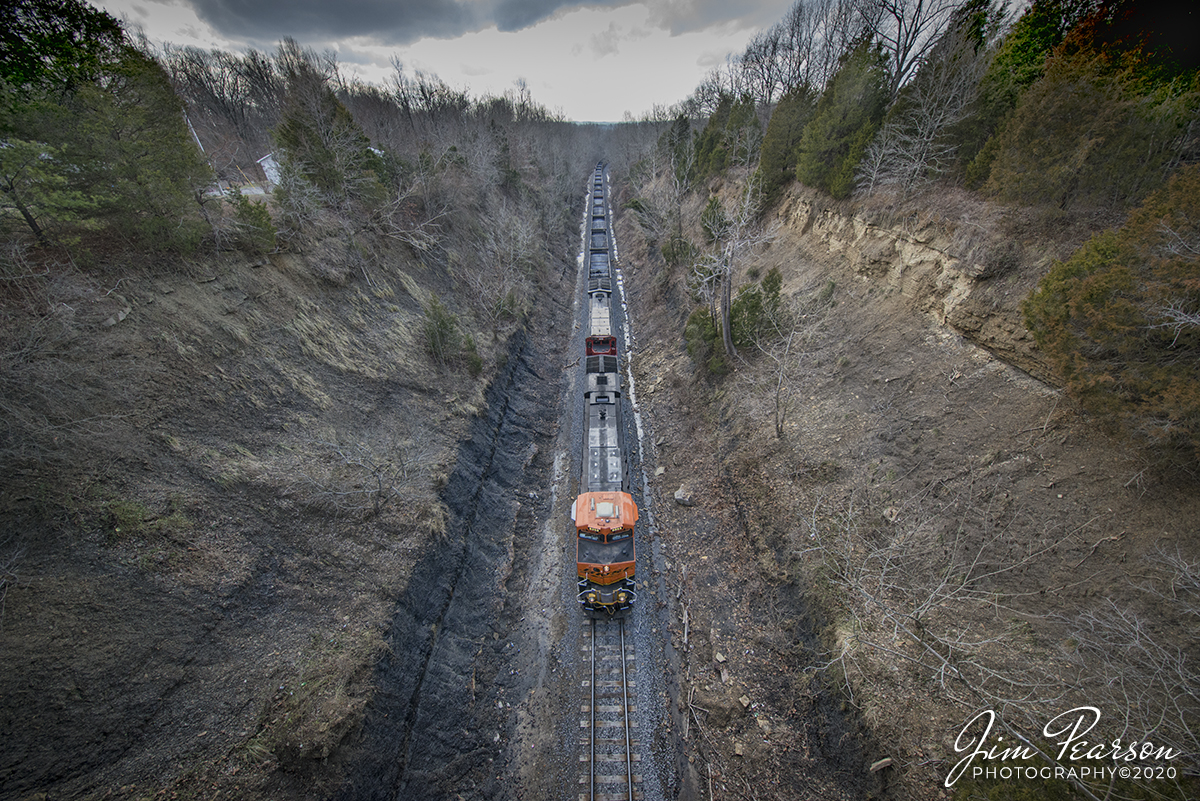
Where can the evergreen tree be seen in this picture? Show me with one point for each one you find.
(317, 134)
(1019, 61)
(711, 156)
(732, 136)
(679, 145)
(845, 120)
(1105, 123)
(128, 141)
(51, 45)
(782, 139)
(95, 130)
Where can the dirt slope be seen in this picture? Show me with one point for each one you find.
(907, 448)
(203, 557)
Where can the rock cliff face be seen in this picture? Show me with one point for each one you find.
(920, 261)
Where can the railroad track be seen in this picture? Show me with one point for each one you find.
(608, 742)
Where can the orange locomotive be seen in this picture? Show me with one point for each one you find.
(604, 513)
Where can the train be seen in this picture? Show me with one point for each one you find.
(604, 512)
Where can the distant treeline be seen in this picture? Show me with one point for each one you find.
(1075, 103)
(103, 135)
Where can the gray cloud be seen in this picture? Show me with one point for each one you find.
(607, 42)
(514, 15)
(400, 22)
(685, 16)
(391, 21)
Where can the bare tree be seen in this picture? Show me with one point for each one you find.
(432, 108)
(1176, 316)
(779, 384)
(934, 585)
(916, 579)
(1147, 665)
(840, 27)
(762, 64)
(233, 102)
(362, 477)
(798, 33)
(10, 558)
(803, 48)
(907, 30)
(507, 252)
(734, 236)
(405, 217)
(785, 342)
(912, 149)
(705, 98)
(814, 36)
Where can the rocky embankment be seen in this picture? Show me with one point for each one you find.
(965, 277)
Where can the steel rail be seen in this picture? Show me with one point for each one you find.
(625, 709)
(592, 734)
(623, 699)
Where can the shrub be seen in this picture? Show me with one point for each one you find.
(471, 357)
(443, 342)
(1120, 320)
(713, 221)
(256, 231)
(678, 250)
(1019, 62)
(703, 339)
(755, 309)
(1001, 259)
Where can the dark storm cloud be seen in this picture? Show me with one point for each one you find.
(513, 15)
(399, 22)
(390, 21)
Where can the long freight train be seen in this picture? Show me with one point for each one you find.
(604, 513)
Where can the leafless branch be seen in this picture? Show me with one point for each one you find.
(1178, 317)
(363, 478)
(1177, 244)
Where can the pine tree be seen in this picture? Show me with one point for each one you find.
(781, 141)
(132, 154)
(846, 117)
(52, 45)
(95, 130)
(318, 136)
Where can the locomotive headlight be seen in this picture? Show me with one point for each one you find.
(591, 597)
(621, 597)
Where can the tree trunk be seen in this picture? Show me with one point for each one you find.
(27, 214)
(726, 303)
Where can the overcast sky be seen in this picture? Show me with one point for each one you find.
(590, 60)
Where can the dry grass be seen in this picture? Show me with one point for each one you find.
(322, 698)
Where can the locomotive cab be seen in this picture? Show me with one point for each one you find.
(604, 522)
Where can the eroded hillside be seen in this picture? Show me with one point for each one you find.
(938, 530)
(221, 475)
